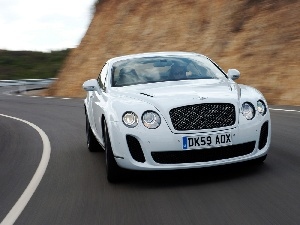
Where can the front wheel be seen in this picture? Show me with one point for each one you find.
(91, 141)
(112, 169)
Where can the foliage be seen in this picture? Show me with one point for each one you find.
(29, 64)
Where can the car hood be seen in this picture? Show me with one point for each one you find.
(167, 95)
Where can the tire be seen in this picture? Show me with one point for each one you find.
(113, 171)
(91, 141)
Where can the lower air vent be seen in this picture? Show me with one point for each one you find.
(135, 149)
(203, 155)
(264, 132)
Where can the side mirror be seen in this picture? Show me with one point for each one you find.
(233, 74)
(90, 85)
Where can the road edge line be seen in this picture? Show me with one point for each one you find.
(19, 206)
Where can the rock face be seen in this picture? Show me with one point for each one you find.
(261, 38)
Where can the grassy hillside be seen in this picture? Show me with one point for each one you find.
(28, 64)
(261, 38)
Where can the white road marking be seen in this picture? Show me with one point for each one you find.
(285, 110)
(17, 209)
(35, 96)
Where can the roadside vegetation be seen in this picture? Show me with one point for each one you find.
(30, 65)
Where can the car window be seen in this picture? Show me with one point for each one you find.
(102, 77)
(163, 68)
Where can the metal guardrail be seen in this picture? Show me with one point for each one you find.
(25, 82)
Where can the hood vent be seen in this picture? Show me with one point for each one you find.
(147, 95)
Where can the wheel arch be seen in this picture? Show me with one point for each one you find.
(102, 125)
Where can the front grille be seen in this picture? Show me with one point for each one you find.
(135, 149)
(203, 116)
(203, 155)
(264, 132)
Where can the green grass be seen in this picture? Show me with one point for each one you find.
(32, 65)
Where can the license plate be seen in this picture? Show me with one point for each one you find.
(206, 141)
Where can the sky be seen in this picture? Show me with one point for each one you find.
(43, 25)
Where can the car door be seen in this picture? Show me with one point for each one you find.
(98, 103)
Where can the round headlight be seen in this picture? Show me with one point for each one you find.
(261, 107)
(130, 119)
(151, 119)
(248, 110)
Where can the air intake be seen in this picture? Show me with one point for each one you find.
(264, 132)
(135, 149)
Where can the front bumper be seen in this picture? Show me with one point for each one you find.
(157, 148)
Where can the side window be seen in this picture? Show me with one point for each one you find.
(102, 77)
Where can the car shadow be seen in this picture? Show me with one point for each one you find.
(186, 177)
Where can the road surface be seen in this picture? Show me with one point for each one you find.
(74, 190)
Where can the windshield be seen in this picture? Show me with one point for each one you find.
(163, 68)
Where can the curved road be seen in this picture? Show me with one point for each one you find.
(74, 189)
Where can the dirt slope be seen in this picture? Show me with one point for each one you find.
(261, 38)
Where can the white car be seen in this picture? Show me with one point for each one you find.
(173, 110)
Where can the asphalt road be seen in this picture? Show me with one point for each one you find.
(74, 189)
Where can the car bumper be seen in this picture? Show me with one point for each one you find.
(140, 148)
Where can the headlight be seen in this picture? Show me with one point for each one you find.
(248, 110)
(151, 119)
(130, 119)
(261, 107)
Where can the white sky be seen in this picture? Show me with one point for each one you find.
(43, 25)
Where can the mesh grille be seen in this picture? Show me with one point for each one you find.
(203, 116)
(203, 155)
